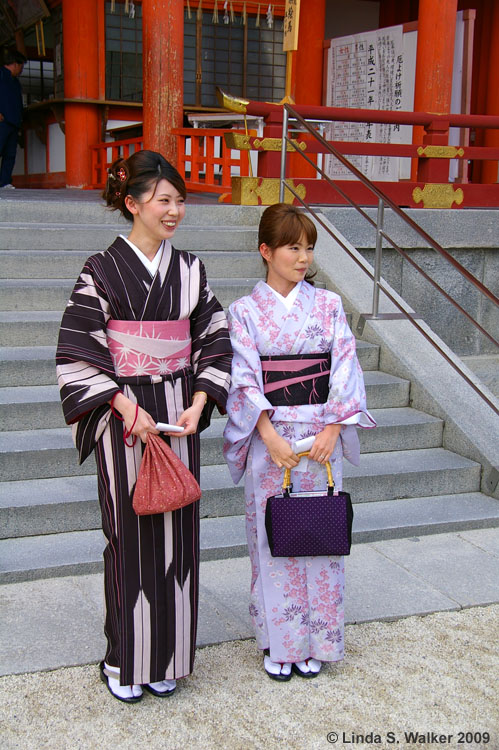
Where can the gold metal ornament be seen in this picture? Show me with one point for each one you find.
(275, 144)
(262, 191)
(440, 152)
(232, 103)
(438, 196)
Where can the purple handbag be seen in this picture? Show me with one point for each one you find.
(309, 523)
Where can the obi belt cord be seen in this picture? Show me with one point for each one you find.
(296, 379)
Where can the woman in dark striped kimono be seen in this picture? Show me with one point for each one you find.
(143, 340)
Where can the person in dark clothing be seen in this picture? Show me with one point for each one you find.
(11, 112)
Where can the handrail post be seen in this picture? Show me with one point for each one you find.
(378, 256)
(284, 151)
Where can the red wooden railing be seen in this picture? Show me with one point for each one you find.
(103, 155)
(207, 168)
(203, 169)
(208, 164)
(431, 158)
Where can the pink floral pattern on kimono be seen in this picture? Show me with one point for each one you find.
(296, 604)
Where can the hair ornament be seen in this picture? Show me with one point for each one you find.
(121, 174)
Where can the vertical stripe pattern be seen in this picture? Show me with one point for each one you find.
(151, 563)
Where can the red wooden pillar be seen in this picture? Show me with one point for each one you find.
(434, 64)
(307, 69)
(81, 53)
(269, 162)
(481, 55)
(163, 74)
(489, 168)
(309, 55)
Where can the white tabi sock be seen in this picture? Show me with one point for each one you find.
(164, 686)
(309, 665)
(315, 665)
(123, 691)
(275, 667)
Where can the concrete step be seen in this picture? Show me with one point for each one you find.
(80, 552)
(29, 328)
(27, 365)
(35, 419)
(385, 391)
(98, 236)
(380, 476)
(40, 454)
(53, 294)
(67, 264)
(88, 208)
(25, 407)
(43, 472)
(35, 365)
(398, 429)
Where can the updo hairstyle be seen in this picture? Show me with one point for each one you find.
(283, 224)
(137, 175)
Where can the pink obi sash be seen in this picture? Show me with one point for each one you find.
(149, 347)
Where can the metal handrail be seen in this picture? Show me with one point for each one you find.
(379, 193)
(380, 234)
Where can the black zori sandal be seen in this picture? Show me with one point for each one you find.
(158, 693)
(105, 674)
(280, 671)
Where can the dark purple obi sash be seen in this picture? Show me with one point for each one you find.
(296, 379)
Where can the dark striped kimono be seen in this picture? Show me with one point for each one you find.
(151, 563)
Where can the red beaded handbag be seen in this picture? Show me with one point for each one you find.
(164, 482)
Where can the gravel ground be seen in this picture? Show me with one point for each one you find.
(422, 674)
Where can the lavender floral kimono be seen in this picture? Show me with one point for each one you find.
(296, 603)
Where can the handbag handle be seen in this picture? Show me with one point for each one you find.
(287, 486)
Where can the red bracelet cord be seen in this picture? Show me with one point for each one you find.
(127, 433)
(116, 414)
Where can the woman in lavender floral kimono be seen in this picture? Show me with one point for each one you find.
(294, 374)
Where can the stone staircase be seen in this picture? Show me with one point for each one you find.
(406, 485)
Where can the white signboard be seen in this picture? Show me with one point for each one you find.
(376, 70)
(366, 71)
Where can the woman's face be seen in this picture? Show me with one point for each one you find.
(158, 212)
(288, 264)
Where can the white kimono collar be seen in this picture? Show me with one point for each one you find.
(151, 265)
(290, 300)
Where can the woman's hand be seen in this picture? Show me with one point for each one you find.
(189, 419)
(324, 443)
(280, 450)
(128, 409)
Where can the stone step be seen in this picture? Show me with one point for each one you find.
(48, 452)
(397, 429)
(80, 552)
(67, 264)
(35, 365)
(98, 236)
(52, 294)
(29, 406)
(88, 208)
(23, 366)
(40, 454)
(381, 476)
(29, 328)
